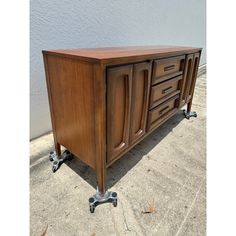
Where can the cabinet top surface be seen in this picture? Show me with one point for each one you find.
(108, 53)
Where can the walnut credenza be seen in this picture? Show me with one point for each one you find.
(103, 101)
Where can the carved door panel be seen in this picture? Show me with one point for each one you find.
(139, 102)
(119, 82)
(188, 71)
(196, 60)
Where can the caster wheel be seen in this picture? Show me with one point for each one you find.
(51, 156)
(68, 154)
(91, 208)
(69, 157)
(91, 200)
(114, 202)
(54, 169)
(195, 115)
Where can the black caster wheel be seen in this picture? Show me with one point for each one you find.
(91, 200)
(114, 202)
(55, 166)
(91, 208)
(54, 169)
(51, 156)
(69, 155)
(66, 152)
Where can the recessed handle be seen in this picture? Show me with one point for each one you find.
(166, 90)
(169, 67)
(162, 110)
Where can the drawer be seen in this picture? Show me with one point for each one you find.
(167, 68)
(161, 112)
(164, 91)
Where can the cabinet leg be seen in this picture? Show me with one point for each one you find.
(58, 149)
(101, 177)
(189, 113)
(189, 105)
(101, 195)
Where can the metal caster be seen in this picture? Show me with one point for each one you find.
(99, 198)
(69, 156)
(114, 202)
(56, 162)
(189, 114)
(55, 167)
(92, 209)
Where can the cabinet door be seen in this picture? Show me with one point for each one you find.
(190, 76)
(119, 82)
(139, 102)
(188, 70)
(196, 60)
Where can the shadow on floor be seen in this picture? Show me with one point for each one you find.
(117, 170)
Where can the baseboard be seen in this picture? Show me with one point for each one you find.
(202, 70)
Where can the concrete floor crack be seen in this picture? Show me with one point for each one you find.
(125, 221)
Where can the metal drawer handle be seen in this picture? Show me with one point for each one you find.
(166, 90)
(162, 110)
(169, 67)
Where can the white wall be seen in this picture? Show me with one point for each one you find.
(89, 23)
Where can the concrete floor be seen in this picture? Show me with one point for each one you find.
(166, 171)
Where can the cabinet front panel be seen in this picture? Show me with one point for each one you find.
(119, 82)
(139, 102)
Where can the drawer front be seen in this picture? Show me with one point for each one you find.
(160, 113)
(164, 91)
(164, 69)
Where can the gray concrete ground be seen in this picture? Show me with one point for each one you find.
(166, 171)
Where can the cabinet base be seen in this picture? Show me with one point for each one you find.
(189, 114)
(100, 198)
(56, 162)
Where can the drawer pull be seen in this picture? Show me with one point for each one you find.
(162, 110)
(166, 90)
(169, 67)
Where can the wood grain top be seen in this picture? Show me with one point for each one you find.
(107, 54)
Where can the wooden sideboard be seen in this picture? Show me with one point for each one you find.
(103, 101)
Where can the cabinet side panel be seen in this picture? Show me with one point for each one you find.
(72, 101)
